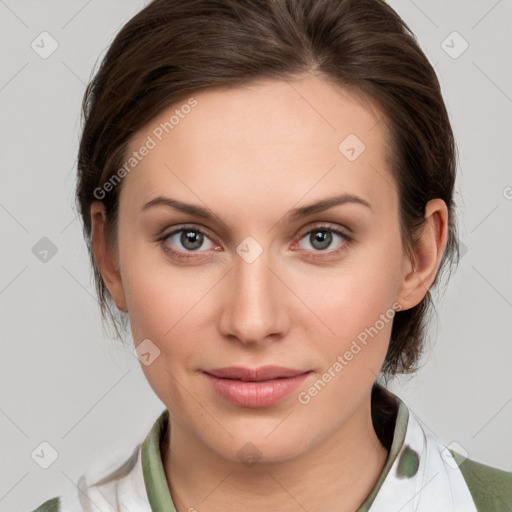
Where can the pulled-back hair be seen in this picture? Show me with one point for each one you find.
(173, 48)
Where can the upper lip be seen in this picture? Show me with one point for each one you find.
(256, 375)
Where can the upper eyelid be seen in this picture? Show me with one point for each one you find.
(173, 231)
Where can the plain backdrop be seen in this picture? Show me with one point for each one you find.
(65, 383)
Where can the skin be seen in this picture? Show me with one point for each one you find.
(250, 154)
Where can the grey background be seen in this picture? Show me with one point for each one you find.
(63, 381)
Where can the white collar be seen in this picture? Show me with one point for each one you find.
(437, 484)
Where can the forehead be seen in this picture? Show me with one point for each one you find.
(267, 141)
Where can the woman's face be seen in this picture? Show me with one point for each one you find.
(261, 281)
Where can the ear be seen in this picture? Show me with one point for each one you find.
(420, 271)
(106, 260)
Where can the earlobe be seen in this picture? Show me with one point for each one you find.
(420, 273)
(105, 259)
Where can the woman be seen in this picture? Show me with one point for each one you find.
(266, 188)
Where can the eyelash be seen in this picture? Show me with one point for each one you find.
(347, 240)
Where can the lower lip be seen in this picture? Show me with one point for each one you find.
(255, 394)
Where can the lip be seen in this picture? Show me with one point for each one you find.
(259, 387)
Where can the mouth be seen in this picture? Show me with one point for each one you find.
(260, 374)
(254, 388)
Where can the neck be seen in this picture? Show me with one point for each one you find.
(336, 474)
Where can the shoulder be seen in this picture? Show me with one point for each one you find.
(491, 488)
(110, 480)
(52, 505)
(114, 478)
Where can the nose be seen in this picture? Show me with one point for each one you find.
(254, 304)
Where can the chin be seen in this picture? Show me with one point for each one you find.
(261, 448)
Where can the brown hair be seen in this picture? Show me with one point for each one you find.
(175, 47)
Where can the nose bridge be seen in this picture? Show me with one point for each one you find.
(255, 307)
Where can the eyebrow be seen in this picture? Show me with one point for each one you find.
(294, 214)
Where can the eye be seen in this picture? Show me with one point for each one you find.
(186, 240)
(322, 238)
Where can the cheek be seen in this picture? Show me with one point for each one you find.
(358, 311)
(159, 295)
(354, 295)
(355, 306)
(164, 307)
(170, 311)
(171, 306)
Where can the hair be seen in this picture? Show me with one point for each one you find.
(173, 48)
